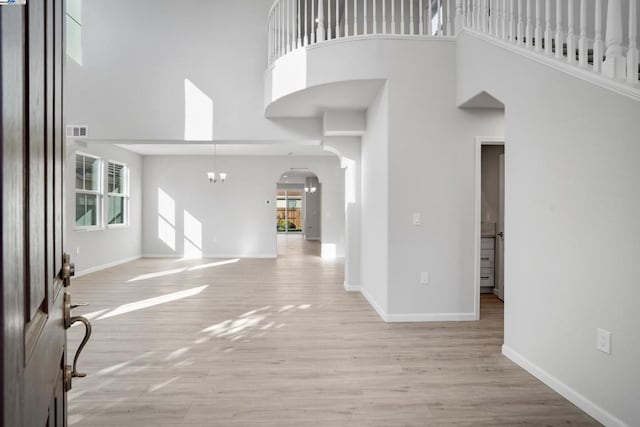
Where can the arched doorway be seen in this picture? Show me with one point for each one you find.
(298, 214)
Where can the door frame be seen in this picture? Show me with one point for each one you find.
(480, 141)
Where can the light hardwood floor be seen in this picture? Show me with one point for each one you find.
(280, 343)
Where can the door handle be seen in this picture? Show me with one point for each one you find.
(68, 269)
(71, 371)
(501, 235)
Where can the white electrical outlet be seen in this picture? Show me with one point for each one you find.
(417, 220)
(603, 341)
(424, 278)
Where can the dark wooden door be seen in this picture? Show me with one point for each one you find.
(34, 336)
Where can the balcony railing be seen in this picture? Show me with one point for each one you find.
(298, 23)
(597, 37)
(571, 31)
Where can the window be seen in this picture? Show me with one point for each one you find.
(88, 197)
(118, 189)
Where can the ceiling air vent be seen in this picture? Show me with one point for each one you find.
(74, 131)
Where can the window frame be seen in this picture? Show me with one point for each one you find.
(125, 195)
(98, 193)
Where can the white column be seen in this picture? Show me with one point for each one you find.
(571, 34)
(583, 42)
(320, 34)
(559, 39)
(632, 54)
(615, 65)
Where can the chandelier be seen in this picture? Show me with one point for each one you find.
(216, 177)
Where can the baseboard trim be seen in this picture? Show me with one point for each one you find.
(431, 317)
(588, 406)
(374, 304)
(213, 256)
(352, 288)
(105, 266)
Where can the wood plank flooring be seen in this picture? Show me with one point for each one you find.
(280, 343)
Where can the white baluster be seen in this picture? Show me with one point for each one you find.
(582, 42)
(632, 53)
(393, 16)
(598, 44)
(364, 18)
(355, 17)
(495, 14)
(299, 41)
(281, 29)
(528, 28)
(305, 39)
(512, 22)
(329, 30)
(289, 41)
(505, 20)
(411, 24)
(384, 16)
(320, 34)
(520, 23)
(459, 19)
(346, 18)
(489, 12)
(547, 29)
(615, 65)
(401, 16)
(538, 29)
(559, 39)
(375, 17)
(571, 34)
(337, 33)
(449, 17)
(429, 18)
(440, 21)
(421, 24)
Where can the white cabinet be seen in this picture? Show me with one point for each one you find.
(487, 262)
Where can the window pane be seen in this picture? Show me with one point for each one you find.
(80, 172)
(116, 210)
(86, 210)
(280, 203)
(91, 174)
(117, 178)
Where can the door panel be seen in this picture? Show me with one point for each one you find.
(500, 237)
(34, 339)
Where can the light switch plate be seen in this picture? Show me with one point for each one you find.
(417, 218)
(603, 341)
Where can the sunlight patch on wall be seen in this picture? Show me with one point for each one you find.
(198, 114)
(290, 74)
(349, 181)
(166, 219)
(192, 236)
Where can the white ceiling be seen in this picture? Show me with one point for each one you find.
(295, 176)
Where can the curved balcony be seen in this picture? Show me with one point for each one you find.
(294, 24)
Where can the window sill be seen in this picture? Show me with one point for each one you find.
(92, 228)
(116, 226)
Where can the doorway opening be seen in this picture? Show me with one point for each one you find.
(298, 196)
(489, 220)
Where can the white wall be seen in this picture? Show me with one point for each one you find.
(137, 55)
(95, 249)
(572, 235)
(374, 274)
(231, 219)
